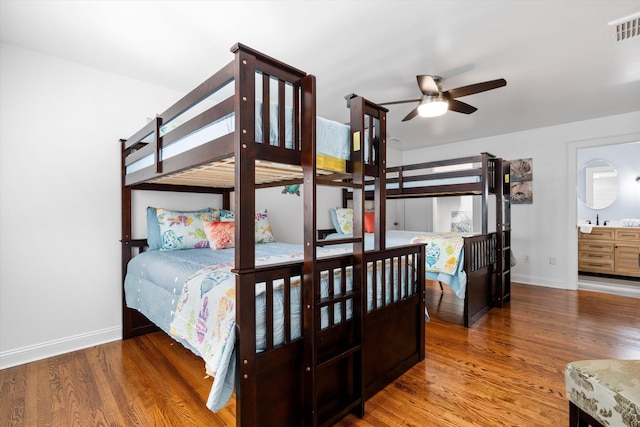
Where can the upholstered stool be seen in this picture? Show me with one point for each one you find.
(603, 393)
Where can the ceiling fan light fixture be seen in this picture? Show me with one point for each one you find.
(433, 106)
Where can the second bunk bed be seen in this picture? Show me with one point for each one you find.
(308, 333)
(485, 268)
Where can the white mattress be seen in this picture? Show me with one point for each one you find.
(332, 138)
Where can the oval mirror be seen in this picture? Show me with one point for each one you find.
(597, 184)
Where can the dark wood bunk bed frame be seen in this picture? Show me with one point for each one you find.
(327, 373)
(487, 256)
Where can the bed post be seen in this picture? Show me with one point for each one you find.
(485, 192)
(309, 320)
(503, 231)
(127, 317)
(133, 322)
(245, 155)
(358, 109)
(380, 188)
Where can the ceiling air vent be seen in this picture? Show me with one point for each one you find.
(626, 28)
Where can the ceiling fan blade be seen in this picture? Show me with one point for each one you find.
(411, 115)
(427, 85)
(476, 88)
(461, 107)
(406, 101)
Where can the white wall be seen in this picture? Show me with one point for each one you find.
(60, 200)
(546, 228)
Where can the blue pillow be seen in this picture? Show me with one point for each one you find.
(154, 237)
(154, 240)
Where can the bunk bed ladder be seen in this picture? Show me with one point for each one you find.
(333, 363)
(503, 230)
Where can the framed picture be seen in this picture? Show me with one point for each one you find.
(521, 193)
(521, 181)
(521, 170)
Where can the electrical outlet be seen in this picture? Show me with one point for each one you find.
(526, 259)
(552, 260)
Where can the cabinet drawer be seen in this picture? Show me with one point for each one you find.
(595, 246)
(597, 234)
(596, 266)
(627, 235)
(596, 257)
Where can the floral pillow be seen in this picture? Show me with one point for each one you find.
(345, 220)
(227, 216)
(264, 234)
(219, 215)
(221, 235)
(154, 236)
(181, 230)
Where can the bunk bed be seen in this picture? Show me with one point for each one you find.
(252, 125)
(486, 259)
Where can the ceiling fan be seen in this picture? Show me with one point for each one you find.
(434, 102)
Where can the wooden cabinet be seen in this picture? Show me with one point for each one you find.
(627, 251)
(610, 250)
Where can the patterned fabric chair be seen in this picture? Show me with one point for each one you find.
(603, 393)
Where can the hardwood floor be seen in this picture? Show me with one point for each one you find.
(507, 370)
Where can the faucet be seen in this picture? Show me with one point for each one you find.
(605, 222)
(597, 220)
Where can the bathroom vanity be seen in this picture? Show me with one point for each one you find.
(610, 250)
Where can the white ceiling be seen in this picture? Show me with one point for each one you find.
(558, 57)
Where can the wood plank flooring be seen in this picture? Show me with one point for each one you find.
(507, 370)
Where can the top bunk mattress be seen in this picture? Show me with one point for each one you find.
(332, 138)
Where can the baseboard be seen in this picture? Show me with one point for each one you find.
(537, 281)
(609, 286)
(46, 349)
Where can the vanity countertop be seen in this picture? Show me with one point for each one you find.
(586, 228)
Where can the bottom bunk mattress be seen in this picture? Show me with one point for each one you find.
(190, 294)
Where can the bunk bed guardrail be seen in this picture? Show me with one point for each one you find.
(473, 175)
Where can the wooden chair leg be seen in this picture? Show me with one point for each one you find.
(574, 415)
(579, 418)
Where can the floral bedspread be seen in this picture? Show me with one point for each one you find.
(442, 251)
(205, 318)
